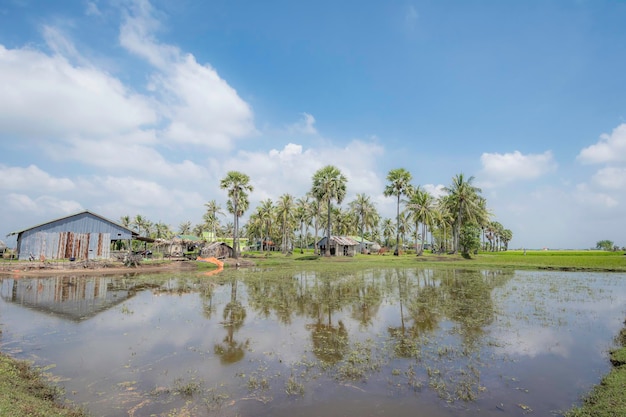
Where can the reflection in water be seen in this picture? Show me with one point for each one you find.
(230, 350)
(401, 339)
(73, 298)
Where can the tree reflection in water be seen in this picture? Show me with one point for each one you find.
(231, 350)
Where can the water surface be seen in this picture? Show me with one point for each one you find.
(260, 342)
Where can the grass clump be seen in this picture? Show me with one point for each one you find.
(24, 392)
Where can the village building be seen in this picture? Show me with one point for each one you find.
(339, 246)
(219, 250)
(365, 246)
(182, 245)
(81, 236)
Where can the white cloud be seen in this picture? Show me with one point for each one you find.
(201, 107)
(48, 205)
(611, 178)
(45, 96)
(610, 148)
(32, 178)
(499, 169)
(304, 125)
(587, 196)
(290, 170)
(435, 190)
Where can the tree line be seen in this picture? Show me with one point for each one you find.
(456, 222)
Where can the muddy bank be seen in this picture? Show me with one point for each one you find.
(100, 267)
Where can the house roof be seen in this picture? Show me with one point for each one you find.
(358, 240)
(342, 240)
(216, 244)
(189, 238)
(133, 233)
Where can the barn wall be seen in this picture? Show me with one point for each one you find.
(83, 236)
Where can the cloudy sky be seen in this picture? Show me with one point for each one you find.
(128, 107)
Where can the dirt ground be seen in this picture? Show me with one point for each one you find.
(36, 268)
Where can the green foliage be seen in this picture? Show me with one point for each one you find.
(604, 245)
(469, 240)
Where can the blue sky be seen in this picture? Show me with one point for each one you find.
(128, 107)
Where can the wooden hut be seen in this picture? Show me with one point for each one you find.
(339, 246)
(83, 235)
(219, 250)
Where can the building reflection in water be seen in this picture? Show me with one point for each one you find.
(72, 298)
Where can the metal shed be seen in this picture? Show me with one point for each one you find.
(83, 235)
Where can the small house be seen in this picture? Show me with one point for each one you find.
(183, 244)
(219, 250)
(365, 246)
(339, 246)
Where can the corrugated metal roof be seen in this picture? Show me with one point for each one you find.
(344, 240)
(358, 240)
(133, 233)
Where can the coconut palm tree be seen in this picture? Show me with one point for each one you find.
(329, 184)
(464, 203)
(399, 184)
(421, 205)
(285, 213)
(213, 209)
(238, 186)
(303, 214)
(184, 228)
(365, 212)
(388, 230)
(506, 237)
(315, 213)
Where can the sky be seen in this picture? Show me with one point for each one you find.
(127, 107)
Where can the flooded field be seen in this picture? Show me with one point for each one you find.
(378, 342)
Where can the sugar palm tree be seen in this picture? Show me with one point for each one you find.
(399, 184)
(238, 186)
(329, 184)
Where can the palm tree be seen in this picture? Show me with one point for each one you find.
(266, 215)
(421, 205)
(388, 230)
(210, 217)
(366, 213)
(285, 213)
(506, 237)
(184, 228)
(464, 203)
(303, 214)
(238, 186)
(329, 184)
(316, 213)
(399, 183)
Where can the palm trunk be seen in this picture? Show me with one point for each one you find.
(397, 251)
(328, 231)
